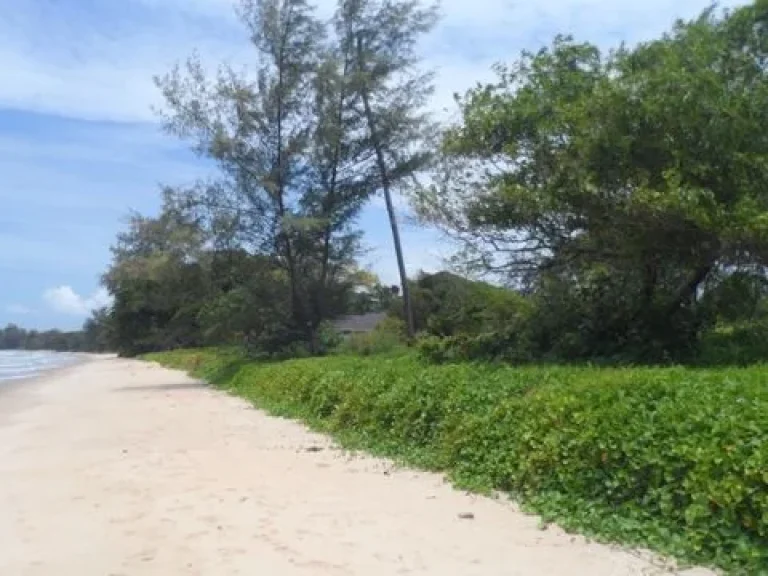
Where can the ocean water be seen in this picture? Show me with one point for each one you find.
(16, 364)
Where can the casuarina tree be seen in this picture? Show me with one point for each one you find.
(292, 178)
(380, 37)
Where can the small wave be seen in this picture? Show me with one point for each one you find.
(15, 364)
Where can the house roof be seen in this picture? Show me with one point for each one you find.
(359, 322)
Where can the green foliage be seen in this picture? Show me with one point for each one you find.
(95, 336)
(328, 338)
(98, 333)
(369, 344)
(13, 337)
(617, 186)
(738, 344)
(379, 39)
(674, 459)
(445, 304)
(472, 321)
(621, 194)
(330, 121)
(509, 346)
(389, 336)
(737, 297)
(374, 297)
(265, 253)
(174, 287)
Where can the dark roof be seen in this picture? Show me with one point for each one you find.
(359, 322)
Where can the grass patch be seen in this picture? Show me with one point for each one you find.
(670, 458)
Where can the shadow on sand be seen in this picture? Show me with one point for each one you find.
(164, 387)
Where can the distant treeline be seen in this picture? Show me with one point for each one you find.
(92, 337)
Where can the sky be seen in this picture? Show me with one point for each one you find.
(80, 144)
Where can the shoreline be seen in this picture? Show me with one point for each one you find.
(18, 393)
(122, 467)
(80, 359)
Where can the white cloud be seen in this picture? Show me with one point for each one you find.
(19, 310)
(65, 300)
(90, 68)
(76, 68)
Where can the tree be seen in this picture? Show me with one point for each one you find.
(175, 285)
(371, 295)
(380, 36)
(12, 338)
(293, 175)
(158, 280)
(249, 302)
(448, 305)
(346, 177)
(620, 185)
(98, 331)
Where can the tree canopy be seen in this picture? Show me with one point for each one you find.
(302, 140)
(617, 200)
(617, 186)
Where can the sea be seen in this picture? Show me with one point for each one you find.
(18, 364)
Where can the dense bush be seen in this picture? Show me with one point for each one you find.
(725, 344)
(619, 187)
(445, 305)
(502, 346)
(676, 459)
(388, 336)
(741, 343)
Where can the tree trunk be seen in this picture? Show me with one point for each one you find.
(385, 184)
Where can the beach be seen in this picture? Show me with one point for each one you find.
(121, 468)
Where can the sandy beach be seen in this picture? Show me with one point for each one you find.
(119, 468)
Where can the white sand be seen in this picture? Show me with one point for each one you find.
(121, 468)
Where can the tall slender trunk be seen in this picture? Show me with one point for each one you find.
(386, 186)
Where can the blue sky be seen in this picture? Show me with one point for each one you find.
(80, 145)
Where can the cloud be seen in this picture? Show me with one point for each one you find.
(64, 300)
(67, 187)
(98, 64)
(19, 310)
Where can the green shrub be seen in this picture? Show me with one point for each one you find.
(675, 459)
(445, 304)
(387, 337)
(328, 338)
(369, 344)
(505, 346)
(735, 344)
